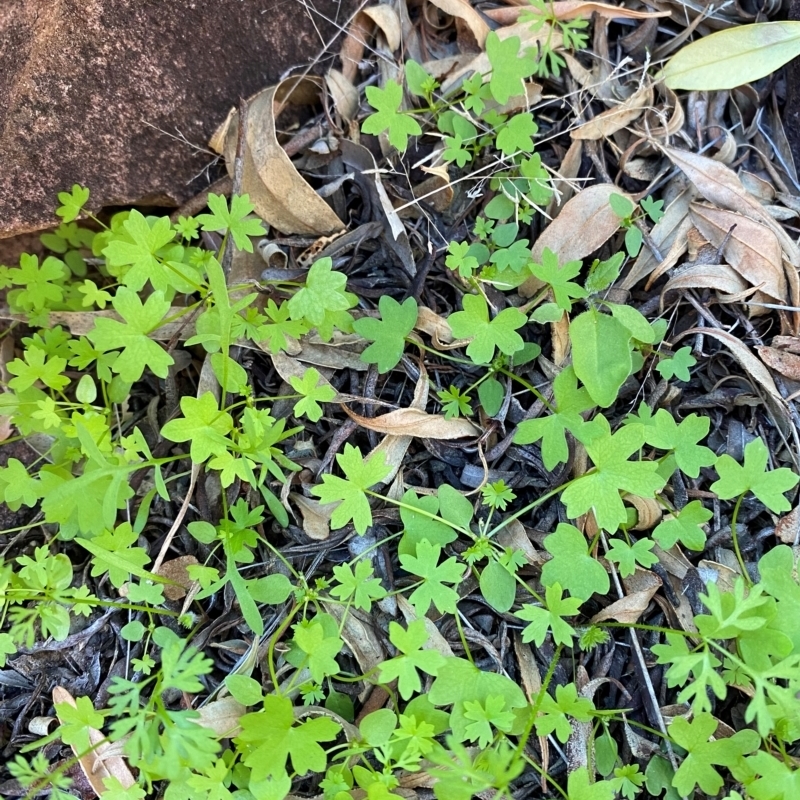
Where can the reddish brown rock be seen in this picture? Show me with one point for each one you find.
(85, 86)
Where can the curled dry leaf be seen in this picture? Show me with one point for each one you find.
(616, 118)
(281, 196)
(464, 11)
(648, 512)
(222, 716)
(437, 189)
(385, 17)
(719, 277)
(343, 93)
(583, 225)
(316, 516)
(627, 609)
(394, 447)
(359, 632)
(103, 761)
(721, 186)
(430, 323)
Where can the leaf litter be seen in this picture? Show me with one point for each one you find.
(717, 270)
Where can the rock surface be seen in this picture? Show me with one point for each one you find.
(122, 95)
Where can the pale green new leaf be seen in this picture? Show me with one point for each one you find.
(550, 617)
(730, 58)
(360, 475)
(474, 323)
(599, 489)
(139, 351)
(570, 402)
(601, 354)
(735, 479)
(572, 566)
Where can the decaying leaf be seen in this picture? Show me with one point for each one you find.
(627, 609)
(583, 225)
(104, 760)
(415, 422)
(176, 570)
(282, 197)
(616, 118)
(222, 716)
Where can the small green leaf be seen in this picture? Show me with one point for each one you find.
(72, 202)
(474, 323)
(572, 566)
(389, 333)
(491, 394)
(684, 527)
(735, 479)
(559, 278)
(498, 586)
(350, 491)
(425, 565)
(677, 366)
(550, 617)
(388, 117)
(236, 221)
(315, 390)
(509, 67)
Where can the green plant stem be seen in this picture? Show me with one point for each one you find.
(735, 539)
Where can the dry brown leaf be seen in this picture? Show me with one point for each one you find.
(353, 45)
(437, 189)
(281, 196)
(102, 762)
(752, 367)
(343, 94)
(719, 277)
(787, 529)
(669, 235)
(720, 574)
(571, 9)
(564, 184)
(790, 343)
(395, 446)
(627, 609)
(464, 11)
(782, 361)
(583, 225)
(222, 716)
(617, 118)
(721, 186)
(529, 671)
(415, 422)
(434, 326)
(751, 248)
(316, 516)
(385, 17)
(515, 537)
(648, 512)
(641, 581)
(176, 570)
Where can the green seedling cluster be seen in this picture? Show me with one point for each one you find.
(461, 729)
